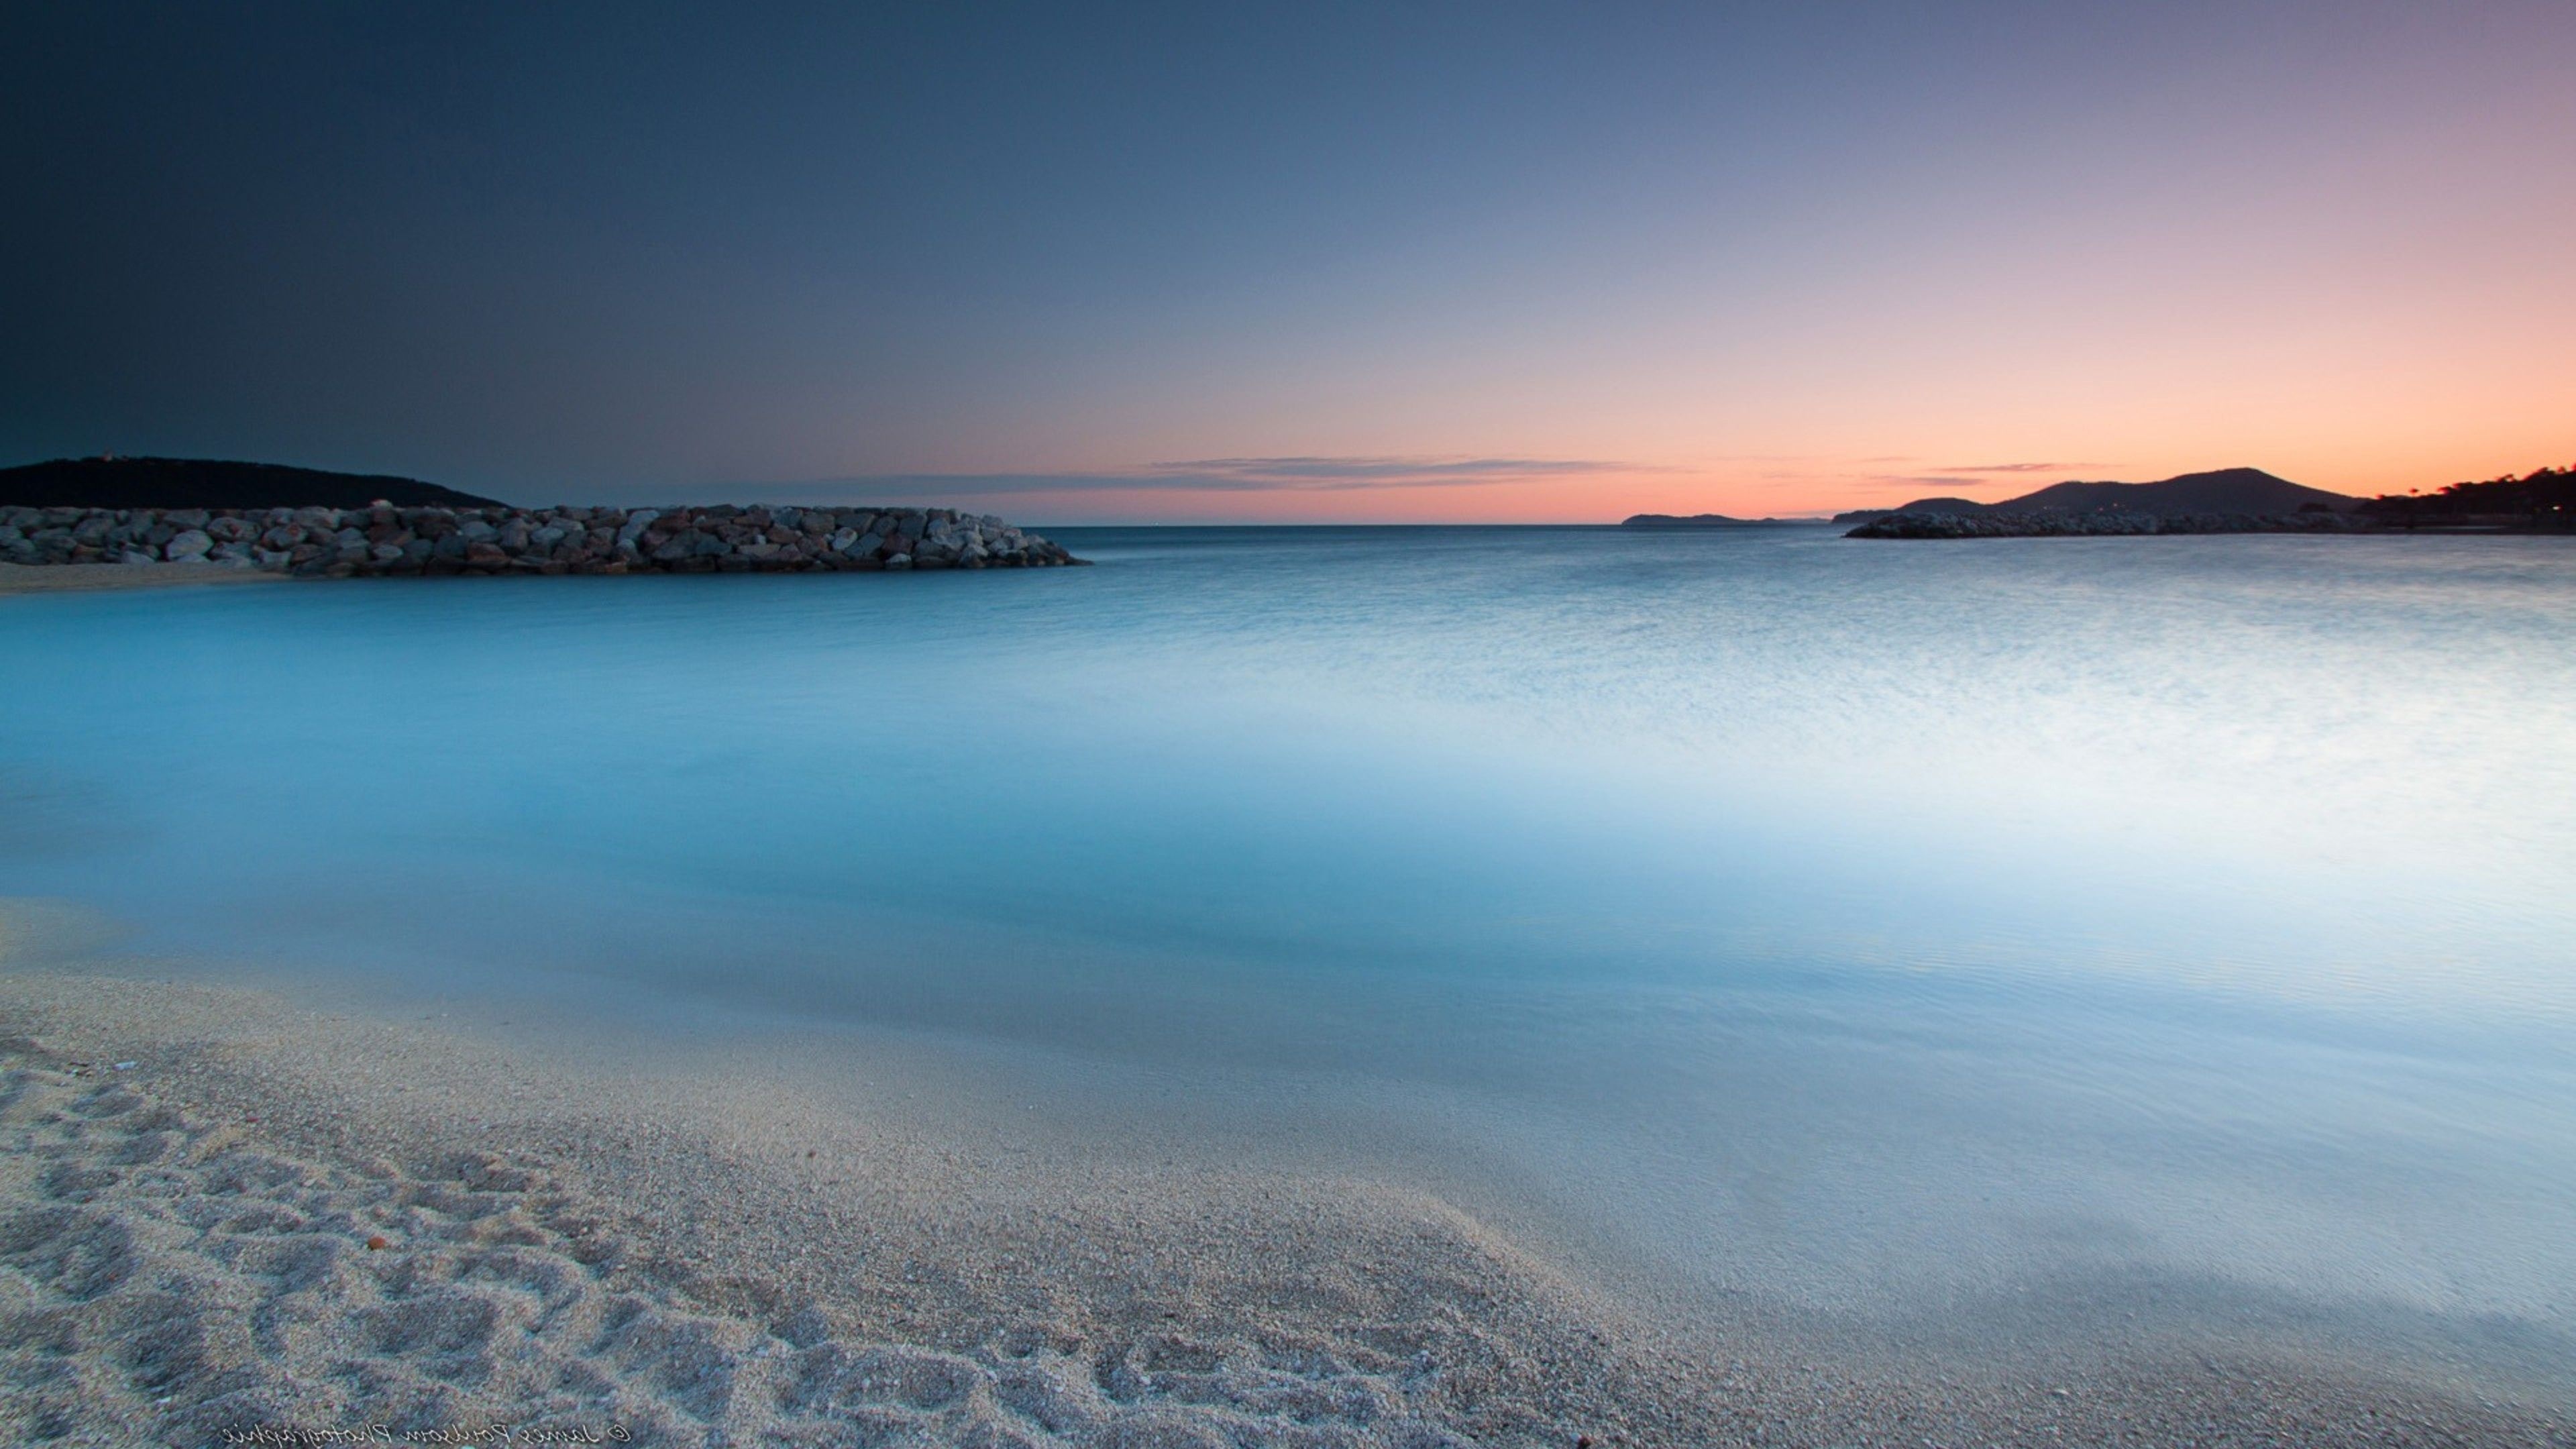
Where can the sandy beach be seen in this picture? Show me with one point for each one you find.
(227, 1213)
(53, 578)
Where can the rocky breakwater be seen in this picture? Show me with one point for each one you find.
(385, 540)
(2103, 524)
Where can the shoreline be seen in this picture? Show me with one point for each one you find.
(706, 1258)
(690, 1257)
(86, 577)
(2185, 525)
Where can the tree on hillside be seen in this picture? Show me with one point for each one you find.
(2542, 500)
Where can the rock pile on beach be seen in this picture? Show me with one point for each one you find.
(386, 540)
(2103, 523)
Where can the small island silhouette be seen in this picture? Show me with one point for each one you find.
(1711, 520)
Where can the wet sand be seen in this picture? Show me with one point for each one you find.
(57, 578)
(226, 1212)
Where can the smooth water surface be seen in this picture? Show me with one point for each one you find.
(1867, 923)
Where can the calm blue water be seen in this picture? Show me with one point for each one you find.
(1851, 920)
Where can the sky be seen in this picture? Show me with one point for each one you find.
(1303, 263)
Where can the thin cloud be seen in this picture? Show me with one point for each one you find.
(1375, 472)
(1319, 474)
(1962, 479)
(2013, 467)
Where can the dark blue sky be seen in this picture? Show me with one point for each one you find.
(1206, 261)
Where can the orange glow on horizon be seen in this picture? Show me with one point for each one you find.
(1766, 489)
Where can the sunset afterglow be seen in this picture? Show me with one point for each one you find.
(1395, 267)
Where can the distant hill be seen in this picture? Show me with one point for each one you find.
(1707, 520)
(205, 483)
(2225, 491)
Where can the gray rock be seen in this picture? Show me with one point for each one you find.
(382, 539)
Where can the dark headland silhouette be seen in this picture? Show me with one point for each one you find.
(2223, 500)
(2234, 500)
(2222, 491)
(2540, 501)
(113, 482)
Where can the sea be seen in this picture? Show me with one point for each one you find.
(2173, 930)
